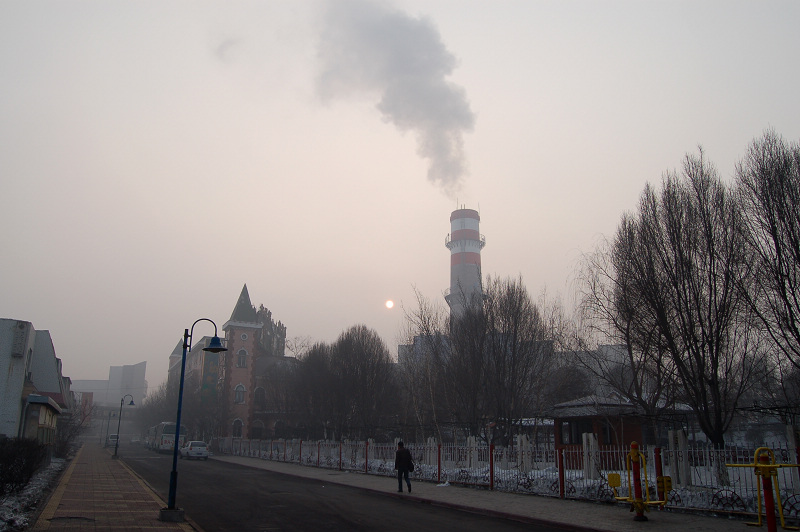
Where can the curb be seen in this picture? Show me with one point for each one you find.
(39, 522)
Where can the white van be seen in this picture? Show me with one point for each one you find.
(111, 441)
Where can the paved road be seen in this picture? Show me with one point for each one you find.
(221, 496)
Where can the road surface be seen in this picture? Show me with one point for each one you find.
(221, 496)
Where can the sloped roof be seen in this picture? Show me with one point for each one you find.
(593, 405)
(176, 356)
(44, 400)
(244, 312)
(178, 351)
(55, 396)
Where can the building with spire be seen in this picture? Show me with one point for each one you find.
(239, 385)
(256, 346)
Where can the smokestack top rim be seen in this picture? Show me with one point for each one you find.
(465, 213)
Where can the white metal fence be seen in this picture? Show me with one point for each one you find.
(700, 477)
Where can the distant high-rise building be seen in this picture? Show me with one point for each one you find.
(465, 243)
(122, 380)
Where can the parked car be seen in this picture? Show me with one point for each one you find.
(195, 449)
(111, 440)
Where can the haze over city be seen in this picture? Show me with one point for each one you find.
(157, 156)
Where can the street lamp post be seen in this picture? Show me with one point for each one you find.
(108, 426)
(119, 421)
(172, 512)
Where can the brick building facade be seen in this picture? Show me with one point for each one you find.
(241, 381)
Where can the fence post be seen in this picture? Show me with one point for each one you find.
(284, 450)
(561, 473)
(318, 449)
(301, 453)
(659, 474)
(491, 466)
(590, 456)
(366, 456)
(679, 464)
(340, 456)
(439, 463)
(794, 442)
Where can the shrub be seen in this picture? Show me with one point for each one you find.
(20, 458)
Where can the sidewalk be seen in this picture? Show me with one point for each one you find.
(572, 515)
(99, 493)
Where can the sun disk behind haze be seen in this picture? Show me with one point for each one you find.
(389, 304)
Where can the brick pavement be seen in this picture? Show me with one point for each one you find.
(100, 493)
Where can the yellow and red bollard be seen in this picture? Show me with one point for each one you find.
(638, 501)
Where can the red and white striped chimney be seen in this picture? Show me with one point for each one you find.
(465, 243)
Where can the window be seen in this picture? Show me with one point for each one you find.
(261, 399)
(257, 431)
(241, 359)
(572, 431)
(238, 394)
(237, 428)
(244, 336)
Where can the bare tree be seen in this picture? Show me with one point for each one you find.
(421, 362)
(633, 363)
(769, 186)
(364, 381)
(683, 257)
(159, 405)
(484, 369)
(520, 354)
(313, 391)
(70, 426)
(202, 409)
(466, 371)
(567, 378)
(298, 346)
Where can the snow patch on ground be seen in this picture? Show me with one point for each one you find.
(16, 509)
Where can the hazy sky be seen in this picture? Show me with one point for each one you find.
(157, 155)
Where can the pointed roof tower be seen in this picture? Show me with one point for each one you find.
(244, 313)
(175, 357)
(244, 310)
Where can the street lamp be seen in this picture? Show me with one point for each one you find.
(119, 421)
(171, 512)
(108, 427)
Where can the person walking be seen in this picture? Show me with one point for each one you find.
(404, 465)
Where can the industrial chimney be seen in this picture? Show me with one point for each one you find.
(465, 243)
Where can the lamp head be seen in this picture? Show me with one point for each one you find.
(131, 403)
(215, 345)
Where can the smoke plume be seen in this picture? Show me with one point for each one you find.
(371, 48)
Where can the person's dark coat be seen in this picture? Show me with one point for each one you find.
(402, 460)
